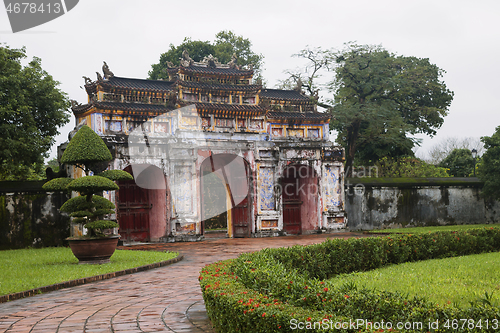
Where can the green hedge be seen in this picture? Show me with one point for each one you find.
(275, 290)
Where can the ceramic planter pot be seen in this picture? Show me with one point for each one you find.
(94, 251)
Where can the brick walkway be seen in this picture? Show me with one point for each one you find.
(166, 299)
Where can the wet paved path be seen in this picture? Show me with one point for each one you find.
(166, 299)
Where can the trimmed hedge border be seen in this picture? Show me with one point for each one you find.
(265, 290)
(90, 279)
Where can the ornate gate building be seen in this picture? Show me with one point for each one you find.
(210, 149)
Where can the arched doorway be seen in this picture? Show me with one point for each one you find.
(233, 174)
(142, 204)
(214, 203)
(300, 195)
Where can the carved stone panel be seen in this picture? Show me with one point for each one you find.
(266, 188)
(332, 188)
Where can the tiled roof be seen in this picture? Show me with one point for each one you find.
(229, 110)
(286, 95)
(215, 71)
(298, 115)
(129, 107)
(137, 84)
(212, 86)
(221, 110)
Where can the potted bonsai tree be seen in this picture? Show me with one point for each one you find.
(87, 151)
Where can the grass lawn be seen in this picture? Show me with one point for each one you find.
(26, 269)
(436, 228)
(455, 280)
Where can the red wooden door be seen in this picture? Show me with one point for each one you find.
(291, 207)
(133, 212)
(291, 218)
(240, 215)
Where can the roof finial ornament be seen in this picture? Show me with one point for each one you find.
(74, 103)
(211, 61)
(87, 80)
(186, 60)
(99, 76)
(234, 62)
(106, 71)
(170, 64)
(315, 96)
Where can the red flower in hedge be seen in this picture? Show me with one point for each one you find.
(308, 318)
(264, 314)
(326, 289)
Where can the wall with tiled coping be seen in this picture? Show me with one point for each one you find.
(29, 216)
(393, 203)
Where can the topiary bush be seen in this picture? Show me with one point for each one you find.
(87, 151)
(116, 175)
(92, 184)
(280, 290)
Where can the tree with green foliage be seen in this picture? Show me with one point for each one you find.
(443, 148)
(459, 163)
(86, 150)
(381, 98)
(489, 168)
(225, 45)
(407, 167)
(53, 164)
(32, 109)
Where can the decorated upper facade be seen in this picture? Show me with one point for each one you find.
(225, 97)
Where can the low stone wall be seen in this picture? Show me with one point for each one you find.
(394, 203)
(29, 216)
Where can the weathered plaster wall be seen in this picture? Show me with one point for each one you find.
(377, 207)
(29, 217)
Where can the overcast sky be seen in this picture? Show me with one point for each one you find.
(461, 37)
